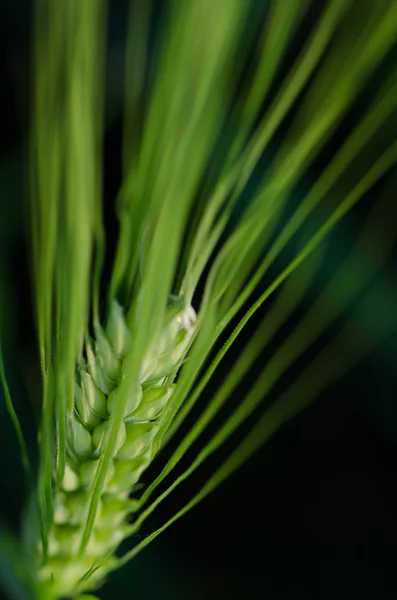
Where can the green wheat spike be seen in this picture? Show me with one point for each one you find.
(124, 361)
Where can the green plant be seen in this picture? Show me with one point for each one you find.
(126, 357)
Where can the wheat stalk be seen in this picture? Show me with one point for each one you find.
(124, 363)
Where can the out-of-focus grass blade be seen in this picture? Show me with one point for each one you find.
(331, 94)
(313, 123)
(65, 165)
(370, 124)
(279, 27)
(15, 421)
(278, 30)
(136, 62)
(191, 90)
(237, 176)
(291, 160)
(135, 73)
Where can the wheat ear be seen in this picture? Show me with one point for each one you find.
(95, 394)
(124, 357)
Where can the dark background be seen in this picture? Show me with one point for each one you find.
(313, 515)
